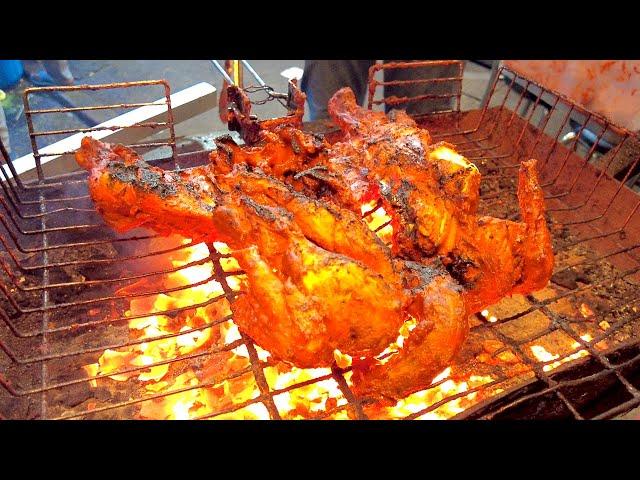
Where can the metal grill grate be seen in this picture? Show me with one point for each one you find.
(430, 72)
(61, 269)
(596, 213)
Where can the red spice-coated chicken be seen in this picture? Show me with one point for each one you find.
(318, 278)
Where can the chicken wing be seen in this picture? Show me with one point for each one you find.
(494, 258)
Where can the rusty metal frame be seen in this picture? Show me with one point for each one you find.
(34, 134)
(426, 64)
(50, 215)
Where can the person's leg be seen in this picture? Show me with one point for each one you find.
(413, 90)
(59, 71)
(323, 78)
(32, 67)
(4, 131)
(48, 72)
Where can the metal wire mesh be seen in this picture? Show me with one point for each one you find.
(66, 285)
(595, 214)
(430, 74)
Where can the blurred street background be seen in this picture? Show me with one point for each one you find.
(180, 74)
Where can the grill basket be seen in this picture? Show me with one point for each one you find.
(67, 281)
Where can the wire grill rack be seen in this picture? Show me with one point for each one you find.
(61, 268)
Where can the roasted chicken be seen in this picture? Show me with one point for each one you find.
(289, 205)
(318, 279)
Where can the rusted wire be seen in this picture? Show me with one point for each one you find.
(34, 133)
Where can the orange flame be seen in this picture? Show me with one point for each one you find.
(420, 401)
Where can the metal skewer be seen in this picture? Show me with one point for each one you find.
(222, 71)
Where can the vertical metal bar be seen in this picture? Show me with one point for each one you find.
(540, 134)
(570, 150)
(496, 119)
(501, 109)
(460, 74)
(222, 72)
(258, 373)
(170, 120)
(630, 215)
(577, 176)
(34, 143)
(7, 180)
(496, 70)
(528, 120)
(555, 144)
(45, 304)
(373, 69)
(261, 380)
(253, 73)
(7, 160)
(525, 124)
(542, 128)
(621, 184)
(522, 96)
(348, 394)
(238, 73)
(485, 104)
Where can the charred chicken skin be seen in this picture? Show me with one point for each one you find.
(318, 278)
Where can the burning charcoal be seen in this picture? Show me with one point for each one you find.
(71, 396)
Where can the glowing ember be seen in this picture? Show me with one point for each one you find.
(424, 399)
(220, 384)
(586, 311)
(181, 391)
(544, 356)
(184, 333)
(189, 393)
(304, 401)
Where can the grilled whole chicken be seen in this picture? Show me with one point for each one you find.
(318, 279)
